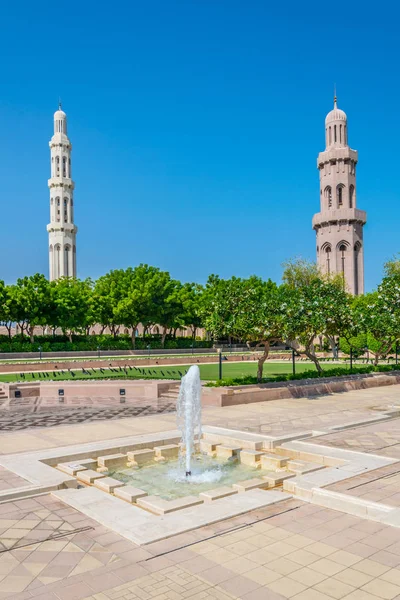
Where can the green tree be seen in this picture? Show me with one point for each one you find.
(378, 314)
(107, 294)
(144, 290)
(313, 305)
(7, 307)
(30, 302)
(73, 305)
(247, 309)
(191, 300)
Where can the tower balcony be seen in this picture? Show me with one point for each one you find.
(62, 228)
(61, 182)
(333, 216)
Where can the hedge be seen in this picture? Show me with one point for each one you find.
(334, 372)
(94, 342)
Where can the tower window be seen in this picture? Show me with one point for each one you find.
(335, 135)
(330, 135)
(351, 196)
(328, 259)
(328, 195)
(64, 166)
(340, 133)
(339, 195)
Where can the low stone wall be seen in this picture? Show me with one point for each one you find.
(229, 396)
(84, 389)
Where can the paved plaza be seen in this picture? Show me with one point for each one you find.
(293, 549)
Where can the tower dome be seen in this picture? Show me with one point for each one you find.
(336, 127)
(336, 114)
(60, 121)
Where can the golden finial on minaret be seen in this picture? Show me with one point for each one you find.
(334, 96)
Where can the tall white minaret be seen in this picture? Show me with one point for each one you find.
(339, 224)
(62, 231)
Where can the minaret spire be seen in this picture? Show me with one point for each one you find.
(62, 230)
(334, 96)
(339, 224)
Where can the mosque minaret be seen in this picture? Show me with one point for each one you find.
(339, 225)
(61, 229)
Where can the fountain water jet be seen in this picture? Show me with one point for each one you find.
(188, 409)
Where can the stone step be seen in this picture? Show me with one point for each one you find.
(217, 493)
(227, 451)
(129, 493)
(250, 484)
(108, 484)
(273, 461)
(159, 506)
(273, 478)
(251, 457)
(300, 467)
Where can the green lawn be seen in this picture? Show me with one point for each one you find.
(207, 371)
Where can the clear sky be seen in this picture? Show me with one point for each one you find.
(195, 127)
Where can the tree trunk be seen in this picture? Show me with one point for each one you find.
(333, 347)
(133, 336)
(102, 329)
(194, 330)
(311, 356)
(164, 335)
(8, 327)
(261, 361)
(30, 333)
(70, 336)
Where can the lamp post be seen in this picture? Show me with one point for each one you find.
(40, 352)
(397, 352)
(294, 362)
(220, 363)
(149, 349)
(351, 359)
(192, 348)
(367, 350)
(98, 351)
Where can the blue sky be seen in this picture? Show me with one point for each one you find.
(195, 127)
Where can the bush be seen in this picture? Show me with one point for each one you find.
(60, 343)
(334, 372)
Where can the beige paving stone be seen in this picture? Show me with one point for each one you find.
(263, 575)
(370, 567)
(333, 587)
(307, 576)
(345, 558)
(240, 565)
(287, 587)
(326, 567)
(393, 576)
(313, 594)
(321, 549)
(382, 589)
(303, 557)
(283, 566)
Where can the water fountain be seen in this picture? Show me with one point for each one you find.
(188, 409)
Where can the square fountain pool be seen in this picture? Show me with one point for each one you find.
(168, 481)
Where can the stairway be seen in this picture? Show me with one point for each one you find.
(171, 393)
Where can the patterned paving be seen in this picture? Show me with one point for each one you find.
(293, 550)
(378, 438)
(65, 416)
